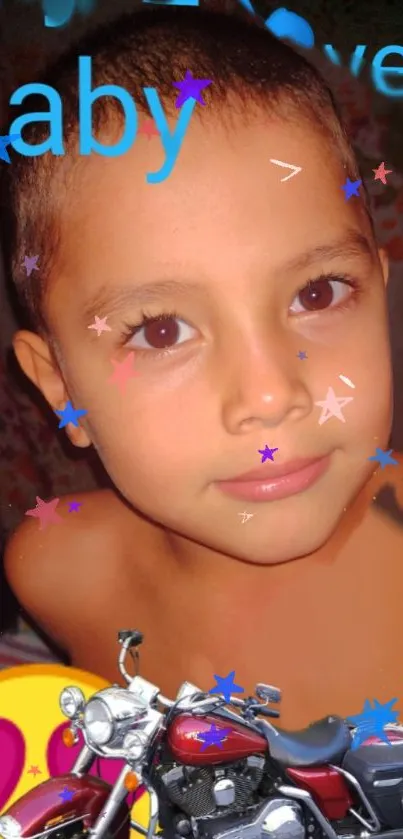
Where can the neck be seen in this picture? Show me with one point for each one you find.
(211, 570)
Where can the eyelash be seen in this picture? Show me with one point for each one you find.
(131, 329)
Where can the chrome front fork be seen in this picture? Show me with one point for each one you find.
(112, 804)
(118, 794)
(84, 762)
(114, 801)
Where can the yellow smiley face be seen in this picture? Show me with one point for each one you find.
(31, 724)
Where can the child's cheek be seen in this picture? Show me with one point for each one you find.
(354, 359)
(326, 331)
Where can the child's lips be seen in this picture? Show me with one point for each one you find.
(275, 481)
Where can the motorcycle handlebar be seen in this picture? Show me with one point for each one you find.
(121, 662)
(201, 704)
(190, 703)
(169, 703)
(268, 712)
(127, 642)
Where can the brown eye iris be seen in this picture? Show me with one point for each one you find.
(316, 295)
(161, 333)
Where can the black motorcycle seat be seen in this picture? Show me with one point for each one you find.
(325, 741)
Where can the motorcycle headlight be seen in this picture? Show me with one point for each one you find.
(134, 744)
(98, 722)
(110, 714)
(9, 827)
(71, 701)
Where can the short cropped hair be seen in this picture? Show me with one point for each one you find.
(151, 47)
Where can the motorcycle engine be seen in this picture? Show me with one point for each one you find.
(223, 803)
(200, 791)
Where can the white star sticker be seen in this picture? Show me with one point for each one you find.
(246, 516)
(332, 405)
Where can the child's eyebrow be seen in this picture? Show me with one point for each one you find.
(352, 243)
(113, 299)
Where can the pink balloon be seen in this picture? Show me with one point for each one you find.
(12, 759)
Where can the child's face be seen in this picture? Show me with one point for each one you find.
(237, 247)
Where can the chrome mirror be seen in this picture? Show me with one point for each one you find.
(268, 693)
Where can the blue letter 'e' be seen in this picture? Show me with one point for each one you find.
(58, 12)
(87, 97)
(379, 72)
(54, 143)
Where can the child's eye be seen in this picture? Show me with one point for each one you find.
(160, 333)
(322, 293)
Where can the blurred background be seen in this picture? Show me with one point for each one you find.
(35, 458)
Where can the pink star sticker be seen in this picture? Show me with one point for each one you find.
(100, 325)
(45, 511)
(123, 371)
(380, 173)
(149, 129)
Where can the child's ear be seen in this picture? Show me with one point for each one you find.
(35, 359)
(384, 260)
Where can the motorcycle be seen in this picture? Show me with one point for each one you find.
(256, 781)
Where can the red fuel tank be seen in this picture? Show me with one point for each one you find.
(186, 746)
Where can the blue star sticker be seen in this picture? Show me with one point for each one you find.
(384, 458)
(226, 686)
(267, 454)
(70, 415)
(66, 794)
(351, 188)
(5, 140)
(372, 720)
(213, 737)
(302, 354)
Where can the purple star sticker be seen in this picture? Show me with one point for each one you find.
(74, 506)
(267, 454)
(30, 264)
(213, 737)
(190, 88)
(66, 794)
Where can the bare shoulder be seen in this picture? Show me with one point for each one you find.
(50, 569)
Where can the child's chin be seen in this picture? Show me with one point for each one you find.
(286, 545)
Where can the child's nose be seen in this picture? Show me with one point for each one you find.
(264, 391)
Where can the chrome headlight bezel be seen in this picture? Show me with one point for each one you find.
(98, 703)
(71, 701)
(118, 710)
(10, 828)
